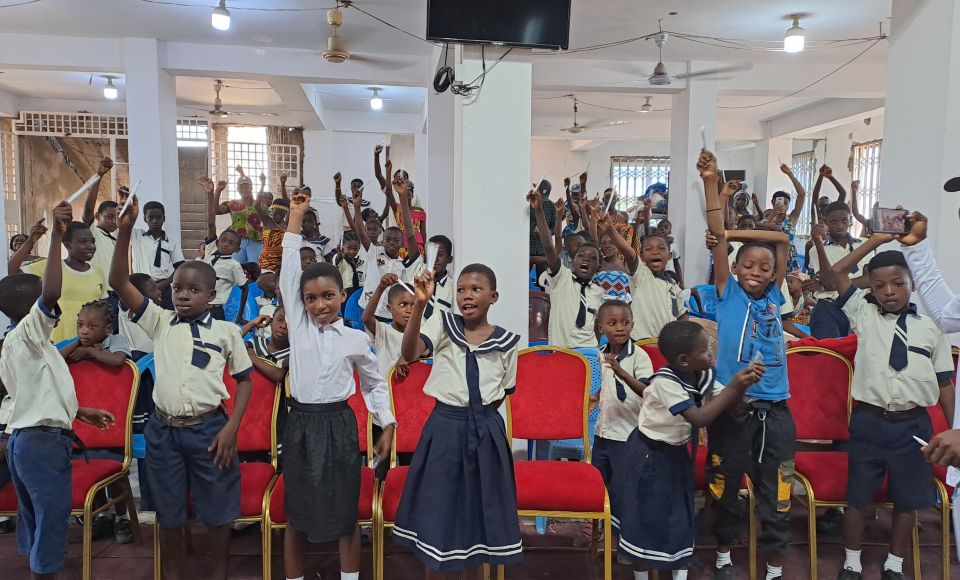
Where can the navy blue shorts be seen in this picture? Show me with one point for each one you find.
(41, 468)
(605, 456)
(879, 447)
(178, 462)
(827, 320)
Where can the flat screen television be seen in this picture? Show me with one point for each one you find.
(525, 23)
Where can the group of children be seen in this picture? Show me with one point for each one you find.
(458, 508)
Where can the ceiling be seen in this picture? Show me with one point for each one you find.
(612, 78)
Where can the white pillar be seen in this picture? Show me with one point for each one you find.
(440, 164)
(152, 127)
(490, 212)
(920, 144)
(318, 169)
(692, 109)
(768, 178)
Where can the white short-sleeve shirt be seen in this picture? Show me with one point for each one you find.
(657, 300)
(377, 264)
(565, 300)
(229, 271)
(665, 399)
(106, 244)
(618, 418)
(145, 251)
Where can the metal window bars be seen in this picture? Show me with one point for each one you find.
(804, 166)
(865, 168)
(630, 176)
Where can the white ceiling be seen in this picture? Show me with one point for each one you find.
(610, 77)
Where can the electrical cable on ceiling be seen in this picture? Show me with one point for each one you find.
(247, 8)
(24, 3)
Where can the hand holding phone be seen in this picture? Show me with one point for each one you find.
(889, 221)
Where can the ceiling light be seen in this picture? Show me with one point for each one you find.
(109, 90)
(647, 106)
(376, 103)
(793, 41)
(220, 19)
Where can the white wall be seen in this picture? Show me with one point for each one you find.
(553, 158)
(839, 141)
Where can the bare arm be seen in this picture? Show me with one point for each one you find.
(630, 258)
(15, 263)
(110, 359)
(553, 257)
(413, 250)
(377, 171)
(756, 206)
(730, 395)
(815, 216)
(369, 313)
(707, 166)
(359, 227)
(558, 226)
(53, 271)
(90, 202)
(854, 203)
(271, 371)
(947, 398)
(790, 328)
(206, 184)
(679, 271)
(119, 267)
(794, 216)
(413, 346)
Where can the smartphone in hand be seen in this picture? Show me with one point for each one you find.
(889, 221)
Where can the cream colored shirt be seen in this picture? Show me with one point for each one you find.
(181, 388)
(229, 272)
(664, 401)
(656, 301)
(619, 418)
(565, 300)
(387, 342)
(136, 337)
(377, 263)
(447, 345)
(35, 375)
(143, 251)
(929, 360)
(106, 243)
(835, 253)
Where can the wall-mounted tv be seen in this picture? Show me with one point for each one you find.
(525, 23)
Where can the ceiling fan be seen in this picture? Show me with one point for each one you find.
(218, 113)
(336, 51)
(578, 128)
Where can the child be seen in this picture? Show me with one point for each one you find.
(82, 282)
(653, 490)
(275, 348)
(349, 263)
(320, 441)
(308, 257)
(442, 300)
(312, 237)
(44, 407)
(267, 303)
(219, 253)
(787, 222)
(20, 240)
(106, 218)
(574, 296)
(802, 301)
(903, 366)
(656, 297)
(139, 341)
(154, 253)
(189, 437)
(665, 229)
(387, 337)
(625, 367)
(95, 338)
(761, 442)
(459, 506)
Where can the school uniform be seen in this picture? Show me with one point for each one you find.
(79, 288)
(656, 300)
(280, 358)
(459, 503)
(573, 308)
(39, 449)
(652, 502)
(106, 244)
(321, 429)
(387, 342)
(134, 335)
(352, 276)
(619, 408)
(901, 360)
(828, 319)
(190, 358)
(319, 245)
(761, 442)
(443, 295)
(156, 257)
(229, 274)
(265, 307)
(378, 263)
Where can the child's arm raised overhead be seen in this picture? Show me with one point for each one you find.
(707, 166)
(553, 257)
(90, 203)
(841, 192)
(377, 170)
(630, 258)
(369, 313)
(854, 209)
(558, 225)
(778, 239)
(794, 216)
(119, 267)
(290, 269)
(730, 395)
(359, 227)
(15, 263)
(391, 204)
(283, 187)
(413, 250)
(413, 346)
(815, 216)
(53, 272)
(210, 189)
(836, 276)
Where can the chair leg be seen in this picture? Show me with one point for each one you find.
(500, 572)
(917, 574)
(486, 572)
(811, 525)
(607, 550)
(595, 537)
(156, 551)
(132, 512)
(945, 527)
(266, 540)
(87, 557)
(379, 534)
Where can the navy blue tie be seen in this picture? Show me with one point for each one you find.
(898, 351)
(582, 313)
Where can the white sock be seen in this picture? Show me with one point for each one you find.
(852, 560)
(723, 558)
(774, 572)
(679, 575)
(638, 575)
(297, 578)
(893, 563)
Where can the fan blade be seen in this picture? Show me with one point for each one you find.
(627, 68)
(251, 113)
(382, 63)
(716, 71)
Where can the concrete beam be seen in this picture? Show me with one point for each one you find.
(364, 122)
(297, 103)
(9, 106)
(62, 53)
(821, 116)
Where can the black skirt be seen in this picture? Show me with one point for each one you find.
(459, 503)
(321, 470)
(653, 503)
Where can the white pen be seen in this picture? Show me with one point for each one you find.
(920, 441)
(83, 188)
(703, 137)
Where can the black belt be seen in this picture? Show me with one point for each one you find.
(316, 407)
(69, 433)
(180, 422)
(887, 415)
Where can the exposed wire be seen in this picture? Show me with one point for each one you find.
(247, 8)
(24, 3)
(387, 24)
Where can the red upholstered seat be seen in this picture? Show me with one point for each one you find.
(8, 498)
(827, 473)
(940, 424)
(278, 513)
(845, 346)
(85, 475)
(656, 357)
(392, 490)
(570, 486)
(254, 478)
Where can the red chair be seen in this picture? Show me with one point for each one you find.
(275, 514)
(412, 408)
(650, 346)
(113, 389)
(945, 492)
(820, 402)
(257, 434)
(551, 402)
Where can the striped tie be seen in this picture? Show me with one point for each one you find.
(898, 351)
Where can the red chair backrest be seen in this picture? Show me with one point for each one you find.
(257, 429)
(819, 393)
(539, 316)
(938, 419)
(113, 389)
(656, 357)
(956, 356)
(359, 408)
(411, 406)
(553, 388)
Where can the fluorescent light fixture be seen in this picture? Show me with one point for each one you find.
(109, 90)
(220, 19)
(376, 103)
(793, 41)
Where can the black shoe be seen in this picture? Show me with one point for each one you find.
(848, 574)
(102, 527)
(830, 523)
(891, 575)
(725, 573)
(7, 526)
(122, 531)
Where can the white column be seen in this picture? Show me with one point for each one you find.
(692, 109)
(768, 178)
(920, 143)
(490, 213)
(318, 169)
(152, 127)
(440, 164)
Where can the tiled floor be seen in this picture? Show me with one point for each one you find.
(547, 557)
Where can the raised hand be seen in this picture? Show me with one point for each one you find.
(106, 164)
(424, 286)
(819, 233)
(263, 179)
(37, 231)
(337, 178)
(129, 217)
(378, 150)
(400, 186)
(729, 188)
(534, 199)
(785, 169)
(62, 216)
(707, 164)
(206, 184)
(239, 169)
(221, 185)
(388, 280)
(826, 171)
(561, 207)
(854, 187)
(300, 202)
(711, 241)
(918, 230)
(283, 179)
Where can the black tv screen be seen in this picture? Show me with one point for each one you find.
(529, 23)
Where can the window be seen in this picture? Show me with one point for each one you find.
(631, 176)
(866, 169)
(249, 148)
(8, 166)
(192, 133)
(804, 166)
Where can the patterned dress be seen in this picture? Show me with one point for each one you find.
(272, 253)
(793, 261)
(245, 221)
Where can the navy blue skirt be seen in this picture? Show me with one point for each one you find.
(459, 503)
(653, 503)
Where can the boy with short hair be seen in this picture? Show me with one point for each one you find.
(387, 337)
(219, 253)
(106, 218)
(349, 263)
(44, 407)
(191, 443)
(762, 441)
(154, 253)
(903, 366)
(443, 294)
